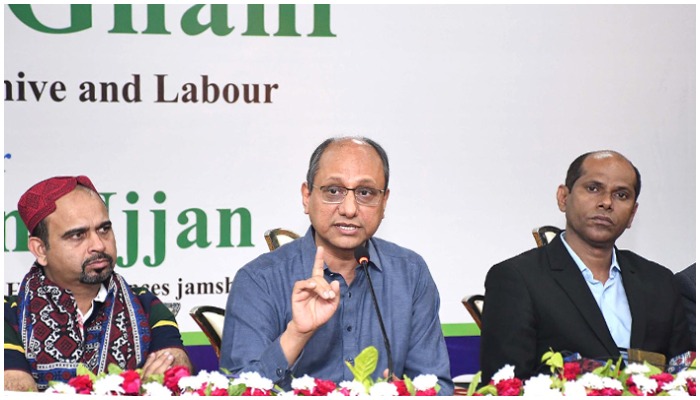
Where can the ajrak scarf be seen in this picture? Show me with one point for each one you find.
(118, 332)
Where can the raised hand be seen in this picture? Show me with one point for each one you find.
(314, 301)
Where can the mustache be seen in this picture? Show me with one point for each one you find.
(96, 257)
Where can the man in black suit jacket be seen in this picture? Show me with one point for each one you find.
(580, 293)
(686, 284)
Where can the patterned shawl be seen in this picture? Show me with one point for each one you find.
(117, 332)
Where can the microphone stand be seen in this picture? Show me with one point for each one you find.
(381, 323)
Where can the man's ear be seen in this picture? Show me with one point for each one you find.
(634, 212)
(562, 195)
(305, 193)
(38, 249)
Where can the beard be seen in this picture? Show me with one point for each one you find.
(99, 276)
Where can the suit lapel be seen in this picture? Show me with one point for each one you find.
(568, 276)
(635, 297)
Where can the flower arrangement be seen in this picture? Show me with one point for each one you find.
(568, 379)
(178, 381)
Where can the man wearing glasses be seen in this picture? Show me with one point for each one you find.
(306, 307)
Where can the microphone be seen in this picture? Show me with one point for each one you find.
(362, 257)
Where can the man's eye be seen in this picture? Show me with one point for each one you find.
(592, 188)
(105, 229)
(333, 190)
(365, 192)
(78, 235)
(623, 196)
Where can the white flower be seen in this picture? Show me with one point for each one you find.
(574, 389)
(591, 381)
(678, 392)
(507, 372)
(637, 369)
(218, 380)
(253, 380)
(678, 383)
(644, 384)
(61, 388)
(356, 388)
(425, 382)
(155, 389)
(380, 389)
(611, 383)
(109, 384)
(687, 374)
(334, 393)
(304, 383)
(540, 385)
(194, 382)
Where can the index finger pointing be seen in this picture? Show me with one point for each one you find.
(318, 262)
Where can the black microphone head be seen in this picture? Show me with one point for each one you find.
(361, 254)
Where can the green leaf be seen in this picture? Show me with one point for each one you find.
(653, 370)
(488, 390)
(113, 369)
(618, 365)
(409, 385)
(546, 356)
(474, 384)
(365, 364)
(236, 390)
(84, 370)
(605, 371)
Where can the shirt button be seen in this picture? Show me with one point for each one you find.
(280, 373)
(350, 360)
(349, 294)
(349, 328)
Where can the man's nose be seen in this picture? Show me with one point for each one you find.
(97, 243)
(348, 207)
(606, 200)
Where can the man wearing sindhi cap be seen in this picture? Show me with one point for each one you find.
(72, 308)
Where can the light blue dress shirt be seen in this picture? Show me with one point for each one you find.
(611, 299)
(258, 311)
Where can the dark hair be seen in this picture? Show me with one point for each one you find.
(576, 170)
(316, 157)
(41, 230)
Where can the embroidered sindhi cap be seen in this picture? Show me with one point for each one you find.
(40, 200)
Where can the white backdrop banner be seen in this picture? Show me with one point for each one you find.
(196, 124)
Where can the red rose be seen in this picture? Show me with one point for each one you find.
(429, 392)
(401, 387)
(662, 379)
(172, 376)
(571, 371)
(132, 382)
(610, 392)
(82, 384)
(219, 392)
(509, 387)
(323, 387)
(255, 392)
(303, 392)
(202, 391)
(691, 386)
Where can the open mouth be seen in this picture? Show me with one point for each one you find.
(346, 228)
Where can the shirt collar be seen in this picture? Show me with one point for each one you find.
(373, 254)
(614, 266)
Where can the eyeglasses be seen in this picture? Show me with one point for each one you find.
(365, 196)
